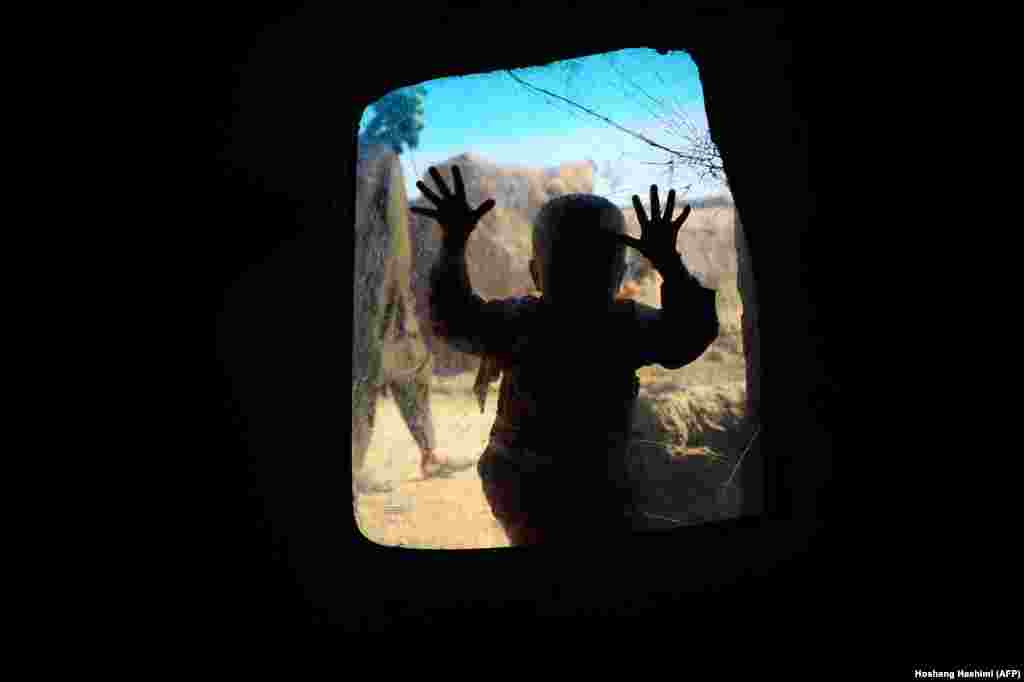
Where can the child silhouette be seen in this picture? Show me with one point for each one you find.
(555, 468)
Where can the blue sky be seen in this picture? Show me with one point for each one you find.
(495, 117)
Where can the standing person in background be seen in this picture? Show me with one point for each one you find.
(388, 351)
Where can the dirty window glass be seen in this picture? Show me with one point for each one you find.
(610, 125)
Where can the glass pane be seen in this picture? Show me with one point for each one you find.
(610, 125)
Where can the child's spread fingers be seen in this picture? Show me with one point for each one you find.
(682, 219)
(424, 211)
(439, 181)
(670, 205)
(640, 215)
(428, 193)
(484, 208)
(655, 204)
(460, 189)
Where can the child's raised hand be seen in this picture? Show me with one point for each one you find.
(453, 212)
(659, 234)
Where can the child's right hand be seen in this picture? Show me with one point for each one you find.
(658, 235)
(453, 213)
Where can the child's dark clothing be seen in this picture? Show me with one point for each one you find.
(556, 463)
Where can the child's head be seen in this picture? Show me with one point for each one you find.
(577, 259)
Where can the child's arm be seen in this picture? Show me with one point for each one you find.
(457, 313)
(685, 326)
(687, 323)
(466, 321)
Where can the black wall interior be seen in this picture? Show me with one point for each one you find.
(280, 222)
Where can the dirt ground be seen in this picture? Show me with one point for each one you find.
(448, 513)
(452, 513)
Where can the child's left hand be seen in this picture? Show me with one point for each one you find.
(659, 234)
(453, 212)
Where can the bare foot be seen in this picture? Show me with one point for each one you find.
(433, 457)
(434, 463)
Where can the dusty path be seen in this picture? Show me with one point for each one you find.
(449, 513)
